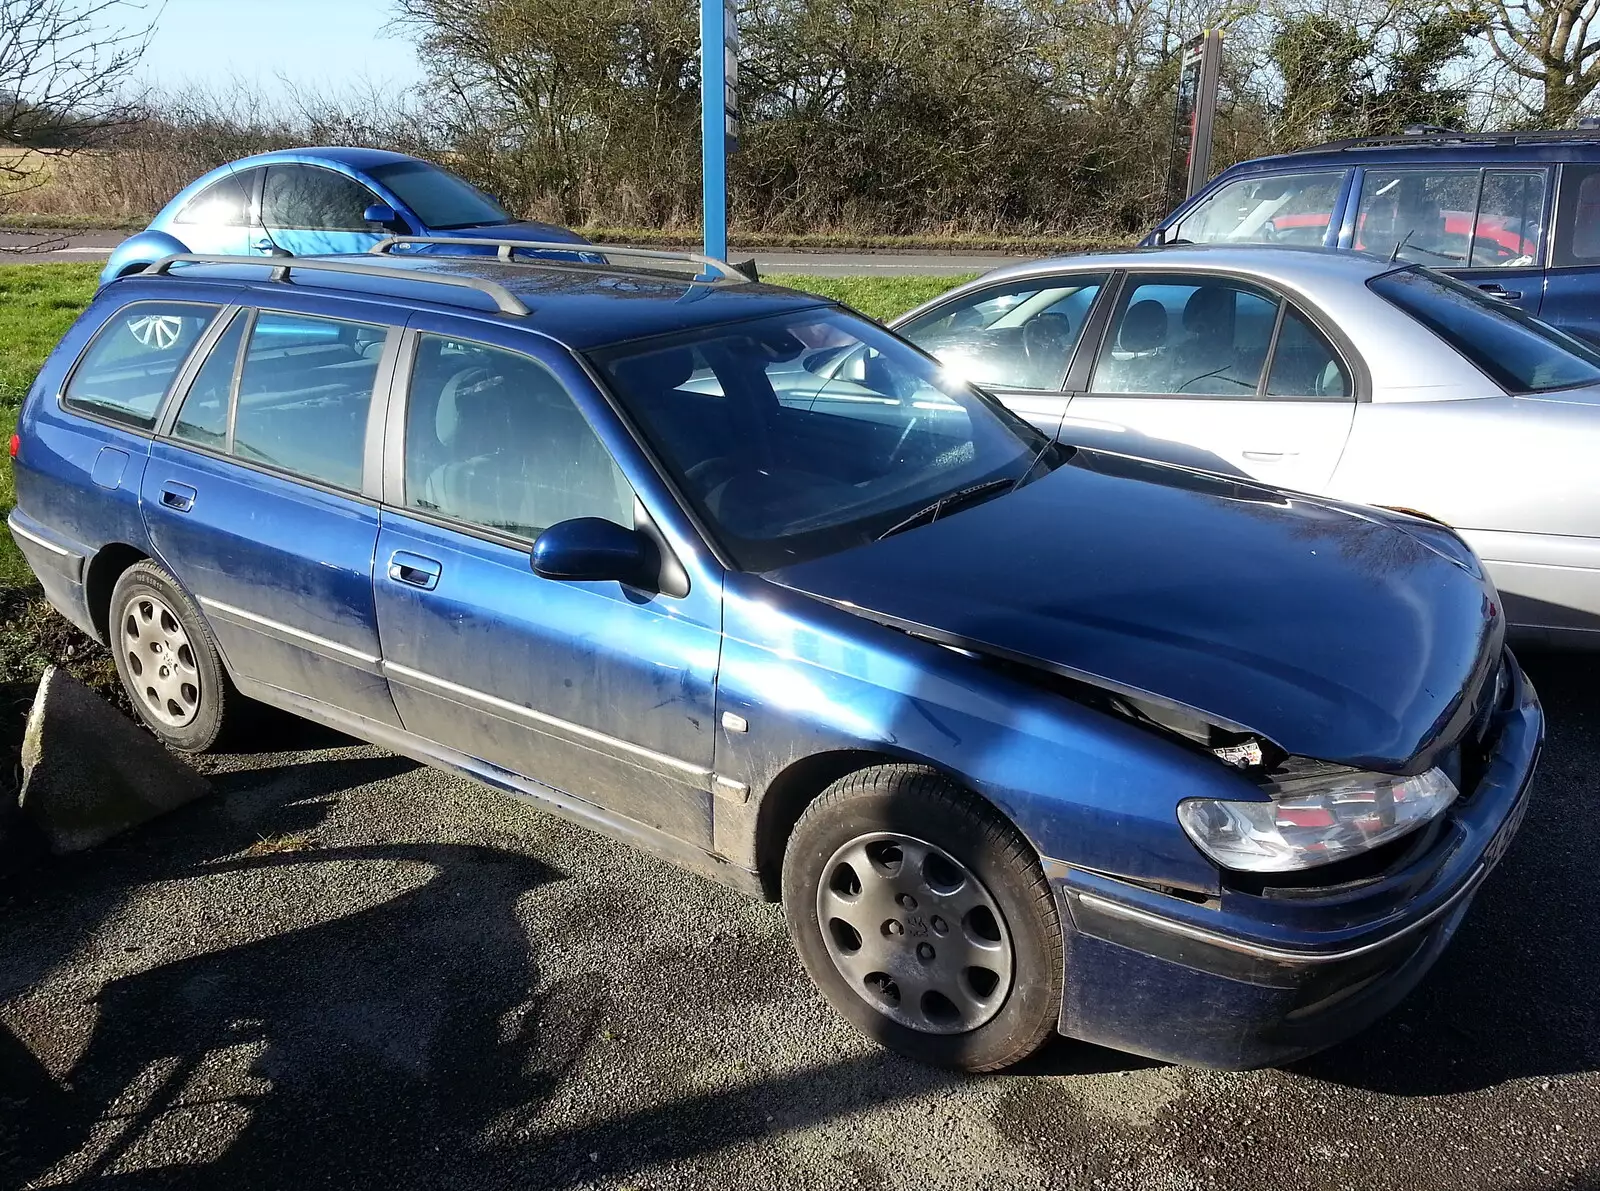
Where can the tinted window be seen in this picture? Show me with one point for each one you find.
(1578, 222)
(305, 197)
(440, 200)
(1283, 209)
(1304, 363)
(1444, 219)
(204, 416)
(1015, 336)
(807, 433)
(1521, 353)
(225, 203)
(129, 366)
(1191, 336)
(304, 393)
(493, 438)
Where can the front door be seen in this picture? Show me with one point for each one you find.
(254, 499)
(221, 219)
(599, 691)
(310, 211)
(1219, 374)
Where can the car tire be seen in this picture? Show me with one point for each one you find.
(922, 915)
(168, 660)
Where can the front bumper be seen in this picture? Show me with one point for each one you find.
(1252, 981)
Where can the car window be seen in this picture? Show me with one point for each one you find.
(493, 438)
(304, 197)
(440, 199)
(1280, 209)
(1015, 336)
(1522, 354)
(1187, 336)
(304, 392)
(225, 203)
(1510, 216)
(130, 363)
(203, 418)
(1441, 218)
(1304, 363)
(786, 455)
(1577, 238)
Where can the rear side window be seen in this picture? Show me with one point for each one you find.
(225, 203)
(1522, 354)
(1281, 209)
(492, 438)
(1453, 219)
(1188, 336)
(203, 417)
(1578, 219)
(303, 197)
(129, 365)
(304, 391)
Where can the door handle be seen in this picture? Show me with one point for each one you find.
(177, 497)
(1269, 456)
(1495, 290)
(414, 570)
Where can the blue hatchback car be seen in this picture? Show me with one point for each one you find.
(1027, 738)
(310, 202)
(1516, 214)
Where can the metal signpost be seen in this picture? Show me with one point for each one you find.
(719, 116)
(1199, 68)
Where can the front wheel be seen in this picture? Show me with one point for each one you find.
(923, 916)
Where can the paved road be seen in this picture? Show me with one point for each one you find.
(96, 246)
(435, 986)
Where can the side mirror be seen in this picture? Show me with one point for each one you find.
(382, 213)
(594, 550)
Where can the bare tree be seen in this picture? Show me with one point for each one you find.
(1554, 45)
(64, 70)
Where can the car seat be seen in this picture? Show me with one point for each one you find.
(1143, 333)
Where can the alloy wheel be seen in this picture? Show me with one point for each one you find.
(915, 933)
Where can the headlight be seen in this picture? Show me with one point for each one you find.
(1314, 820)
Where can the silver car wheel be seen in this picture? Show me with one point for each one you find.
(915, 933)
(160, 660)
(156, 330)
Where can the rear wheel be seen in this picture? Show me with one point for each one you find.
(923, 916)
(167, 660)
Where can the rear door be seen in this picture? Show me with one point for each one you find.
(596, 690)
(1016, 339)
(1572, 288)
(1485, 226)
(311, 211)
(261, 497)
(1216, 373)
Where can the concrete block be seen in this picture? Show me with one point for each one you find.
(89, 772)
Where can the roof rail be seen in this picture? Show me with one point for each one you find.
(504, 299)
(1442, 136)
(507, 250)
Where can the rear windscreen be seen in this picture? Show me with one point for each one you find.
(1522, 354)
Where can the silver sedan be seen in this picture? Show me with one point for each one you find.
(1333, 373)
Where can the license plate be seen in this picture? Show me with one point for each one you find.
(1495, 852)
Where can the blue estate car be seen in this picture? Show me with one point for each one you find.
(1027, 738)
(1516, 214)
(310, 202)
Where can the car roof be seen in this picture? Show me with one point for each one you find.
(1291, 266)
(583, 306)
(1440, 149)
(351, 158)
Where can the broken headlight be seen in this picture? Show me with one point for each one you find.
(1315, 819)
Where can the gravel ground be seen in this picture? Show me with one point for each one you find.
(349, 971)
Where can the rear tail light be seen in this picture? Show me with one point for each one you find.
(16, 445)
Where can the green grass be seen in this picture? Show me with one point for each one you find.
(880, 297)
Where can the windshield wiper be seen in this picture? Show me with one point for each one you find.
(961, 496)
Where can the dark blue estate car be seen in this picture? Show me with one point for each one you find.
(1028, 738)
(1516, 214)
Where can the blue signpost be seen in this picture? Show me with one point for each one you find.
(719, 115)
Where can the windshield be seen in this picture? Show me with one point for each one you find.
(441, 200)
(808, 433)
(1280, 209)
(1520, 353)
